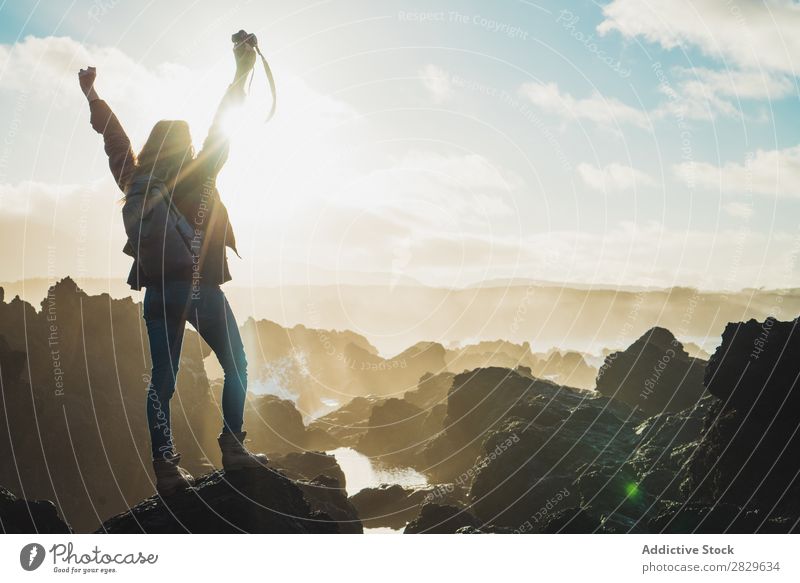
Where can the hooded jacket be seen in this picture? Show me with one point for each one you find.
(195, 195)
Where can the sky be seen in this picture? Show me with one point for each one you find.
(621, 143)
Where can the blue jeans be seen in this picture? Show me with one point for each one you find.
(166, 311)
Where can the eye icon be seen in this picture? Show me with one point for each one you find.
(31, 556)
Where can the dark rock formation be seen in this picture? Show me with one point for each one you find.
(749, 455)
(75, 410)
(319, 365)
(562, 367)
(441, 519)
(431, 391)
(398, 430)
(393, 505)
(565, 368)
(654, 374)
(309, 465)
(29, 517)
(252, 501)
(325, 495)
(348, 423)
(700, 518)
(275, 426)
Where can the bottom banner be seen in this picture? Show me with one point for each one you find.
(398, 558)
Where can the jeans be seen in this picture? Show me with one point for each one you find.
(167, 308)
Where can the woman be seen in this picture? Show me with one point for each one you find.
(195, 294)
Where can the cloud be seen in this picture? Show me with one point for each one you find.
(32, 198)
(438, 83)
(739, 210)
(624, 254)
(596, 108)
(756, 35)
(49, 66)
(427, 190)
(613, 177)
(768, 172)
(703, 94)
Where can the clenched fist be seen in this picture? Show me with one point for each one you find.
(86, 79)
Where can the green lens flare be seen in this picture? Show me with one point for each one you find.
(632, 490)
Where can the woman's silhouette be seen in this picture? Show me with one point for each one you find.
(194, 294)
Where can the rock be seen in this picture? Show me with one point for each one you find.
(309, 465)
(699, 518)
(489, 353)
(274, 425)
(654, 374)
(397, 432)
(251, 501)
(749, 454)
(441, 519)
(565, 368)
(319, 365)
(348, 423)
(393, 505)
(431, 391)
(573, 520)
(76, 412)
(29, 517)
(668, 441)
(326, 496)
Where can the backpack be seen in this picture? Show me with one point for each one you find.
(160, 238)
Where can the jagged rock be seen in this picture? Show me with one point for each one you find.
(348, 423)
(274, 425)
(253, 501)
(431, 391)
(319, 365)
(489, 353)
(749, 454)
(565, 368)
(573, 520)
(76, 413)
(309, 465)
(29, 517)
(668, 441)
(441, 519)
(654, 374)
(397, 431)
(393, 505)
(698, 518)
(325, 495)
(323, 483)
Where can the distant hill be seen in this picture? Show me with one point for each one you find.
(394, 315)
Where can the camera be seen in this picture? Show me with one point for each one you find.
(244, 37)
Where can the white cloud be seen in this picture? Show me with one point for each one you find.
(739, 210)
(613, 177)
(760, 35)
(29, 197)
(597, 108)
(702, 93)
(49, 66)
(437, 81)
(426, 190)
(768, 172)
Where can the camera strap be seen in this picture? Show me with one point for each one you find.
(271, 82)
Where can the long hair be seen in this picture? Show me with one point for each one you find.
(166, 152)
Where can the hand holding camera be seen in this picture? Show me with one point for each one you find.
(245, 45)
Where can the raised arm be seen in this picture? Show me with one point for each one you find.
(116, 143)
(214, 153)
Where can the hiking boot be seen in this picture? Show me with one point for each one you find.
(170, 476)
(235, 456)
